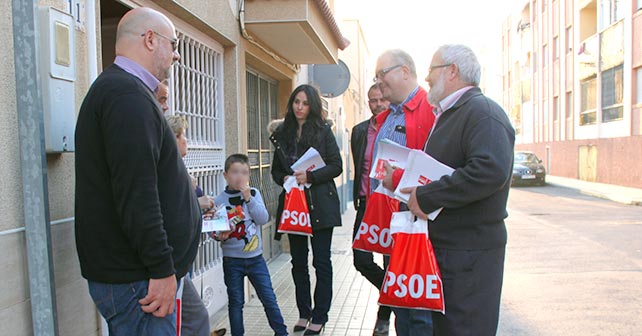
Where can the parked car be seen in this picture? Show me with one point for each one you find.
(528, 169)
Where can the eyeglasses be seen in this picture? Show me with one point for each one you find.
(384, 71)
(173, 41)
(432, 67)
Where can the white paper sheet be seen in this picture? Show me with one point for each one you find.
(216, 220)
(420, 170)
(390, 151)
(310, 161)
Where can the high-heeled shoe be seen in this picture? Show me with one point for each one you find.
(311, 330)
(301, 324)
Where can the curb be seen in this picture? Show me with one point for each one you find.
(588, 190)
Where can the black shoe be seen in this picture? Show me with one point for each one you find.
(314, 332)
(382, 328)
(301, 325)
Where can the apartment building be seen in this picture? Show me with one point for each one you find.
(572, 85)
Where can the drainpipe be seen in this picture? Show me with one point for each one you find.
(33, 163)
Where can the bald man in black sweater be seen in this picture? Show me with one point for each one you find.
(138, 222)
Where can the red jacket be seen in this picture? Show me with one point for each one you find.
(419, 121)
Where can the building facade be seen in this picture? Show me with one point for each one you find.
(240, 60)
(572, 85)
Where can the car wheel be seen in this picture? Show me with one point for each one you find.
(542, 182)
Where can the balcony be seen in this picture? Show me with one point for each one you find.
(302, 31)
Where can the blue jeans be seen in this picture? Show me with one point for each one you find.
(118, 304)
(321, 242)
(412, 321)
(235, 270)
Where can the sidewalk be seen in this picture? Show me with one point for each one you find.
(354, 302)
(626, 195)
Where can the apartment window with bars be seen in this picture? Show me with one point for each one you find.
(196, 94)
(262, 108)
(612, 94)
(588, 101)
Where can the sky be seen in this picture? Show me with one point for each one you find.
(421, 26)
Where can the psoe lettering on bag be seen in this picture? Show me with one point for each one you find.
(296, 218)
(377, 236)
(414, 286)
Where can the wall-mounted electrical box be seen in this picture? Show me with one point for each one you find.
(57, 75)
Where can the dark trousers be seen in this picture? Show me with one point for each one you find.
(472, 282)
(321, 242)
(195, 320)
(364, 262)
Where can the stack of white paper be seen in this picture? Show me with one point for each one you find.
(311, 160)
(421, 169)
(216, 220)
(392, 152)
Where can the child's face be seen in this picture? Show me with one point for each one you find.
(238, 175)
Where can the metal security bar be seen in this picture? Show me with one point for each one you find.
(262, 108)
(196, 93)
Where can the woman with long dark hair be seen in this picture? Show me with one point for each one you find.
(305, 127)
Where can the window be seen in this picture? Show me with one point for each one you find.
(544, 55)
(569, 39)
(588, 101)
(535, 61)
(556, 109)
(612, 11)
(569, 105)
(556, 48)
(638, 84)
(196, 94)
(612, 94)
(262, 108)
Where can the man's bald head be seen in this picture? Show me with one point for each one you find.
(139, 20)
(148, 37)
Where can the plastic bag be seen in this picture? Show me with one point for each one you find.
(412, 279)
(295, 218)
(374, 232)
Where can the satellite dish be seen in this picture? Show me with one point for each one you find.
(331, 79)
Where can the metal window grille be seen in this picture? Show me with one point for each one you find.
(262, 108)
(196, 94)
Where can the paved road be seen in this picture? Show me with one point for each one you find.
(573, 265)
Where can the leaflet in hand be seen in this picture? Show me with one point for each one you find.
(392, 152)
(421, 169)
(216, 220)
(310, 161)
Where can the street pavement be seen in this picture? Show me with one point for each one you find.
(573, 267)
(354, 300)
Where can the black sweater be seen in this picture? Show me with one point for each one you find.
(137, 216)
(476, 138)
